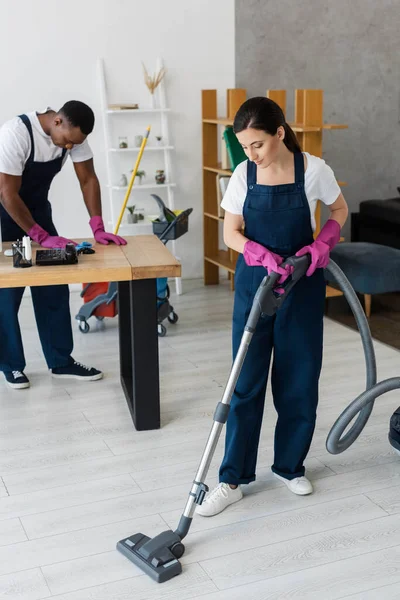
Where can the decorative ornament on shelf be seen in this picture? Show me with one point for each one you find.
(159, 140)
(152, 82)
(123, 181)
(160, 176)
(123, 142)
(138, 140)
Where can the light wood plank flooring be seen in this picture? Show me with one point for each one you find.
(76, 477)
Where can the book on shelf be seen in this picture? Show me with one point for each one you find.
(222, 184)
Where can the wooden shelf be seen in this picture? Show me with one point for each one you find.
(297, 127)
(222, 259)
(332, 292)
(300, 128)
(219, 121)
(218, 169)
(334, 126)
(215, 217)
(308, 126)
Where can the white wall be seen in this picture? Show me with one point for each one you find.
(48, 55)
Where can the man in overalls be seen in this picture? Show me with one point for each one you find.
(33, 149)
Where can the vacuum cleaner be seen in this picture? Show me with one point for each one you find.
(159, 556)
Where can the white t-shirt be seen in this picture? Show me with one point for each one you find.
(15, 145)
(319, 184)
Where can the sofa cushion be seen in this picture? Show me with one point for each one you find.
(384, 210)
(370, 268)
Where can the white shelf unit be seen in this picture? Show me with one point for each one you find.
(148, 148)
(158, 119)
(143, 186)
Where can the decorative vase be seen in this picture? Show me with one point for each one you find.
(123, 181)
(152, 101)
(132, 218)
(123, 142)
(160, 176)
(138, 140)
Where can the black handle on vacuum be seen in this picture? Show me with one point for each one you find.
(267, 301)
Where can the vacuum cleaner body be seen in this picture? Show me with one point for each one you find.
(394, 430)
(159, 556)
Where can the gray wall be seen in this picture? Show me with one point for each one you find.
(348, 48)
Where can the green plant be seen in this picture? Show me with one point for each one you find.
(140, 175)
(131, 209)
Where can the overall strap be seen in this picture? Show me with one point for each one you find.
(251, 173)
(299, 167)
(27, 123)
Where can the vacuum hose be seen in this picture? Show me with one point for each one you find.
(364, 404)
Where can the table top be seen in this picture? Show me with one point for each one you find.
(144, 257)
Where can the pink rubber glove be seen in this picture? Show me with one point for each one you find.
(40, 236)
(319, 250)
(256, 255)
(97, 225)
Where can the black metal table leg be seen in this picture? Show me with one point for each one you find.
(138, 346)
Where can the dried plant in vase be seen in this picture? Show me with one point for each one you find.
(152, 82)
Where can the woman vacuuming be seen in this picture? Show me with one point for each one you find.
(274, 195)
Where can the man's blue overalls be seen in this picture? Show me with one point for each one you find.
(278, 217)
(51, 303)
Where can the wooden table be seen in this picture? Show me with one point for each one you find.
(135, 267)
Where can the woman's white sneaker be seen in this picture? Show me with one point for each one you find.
(299, 485)
(218, 499)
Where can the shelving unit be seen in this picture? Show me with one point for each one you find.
(308, 125)
(158, 119)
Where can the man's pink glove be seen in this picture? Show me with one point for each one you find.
(319, 250)
(100, 235)
(40, 236)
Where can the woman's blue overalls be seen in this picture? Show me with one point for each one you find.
(278, 217)
(51, 303)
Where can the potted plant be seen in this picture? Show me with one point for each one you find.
(140, 175)
(132, 217)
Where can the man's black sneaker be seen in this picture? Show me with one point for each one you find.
(76, 370)
(16, 379)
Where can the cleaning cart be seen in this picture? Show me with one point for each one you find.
(100, 299)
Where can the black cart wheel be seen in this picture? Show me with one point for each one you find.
(162, 331)
(178, 550)
(100, 318)
(84, 326)
(173, 317)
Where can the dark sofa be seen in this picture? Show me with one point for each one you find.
(378, 222)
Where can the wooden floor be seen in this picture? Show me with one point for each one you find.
(76, 477)
(384, 321)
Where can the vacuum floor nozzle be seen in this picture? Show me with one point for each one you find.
(157, 557)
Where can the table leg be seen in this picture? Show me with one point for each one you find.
(138, 347)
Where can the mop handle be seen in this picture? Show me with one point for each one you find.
(135, 170)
